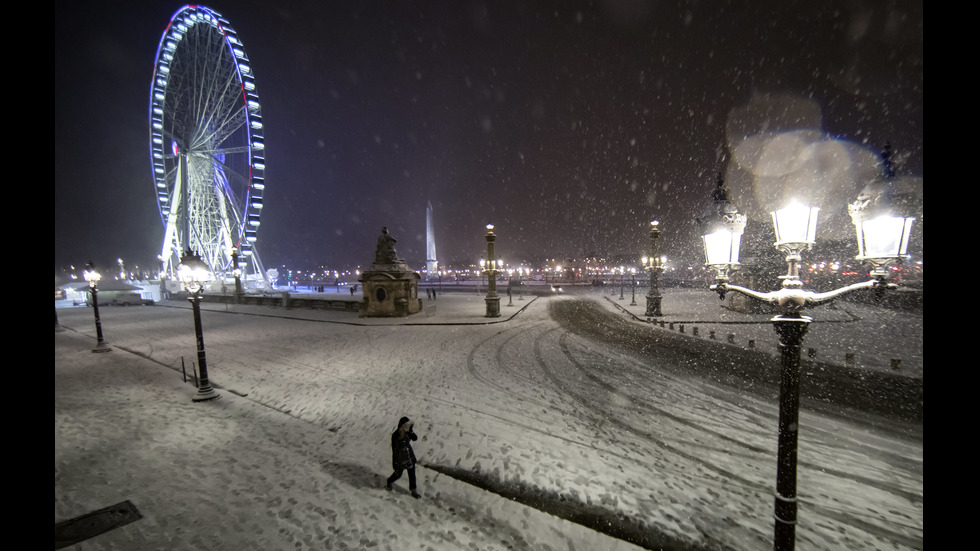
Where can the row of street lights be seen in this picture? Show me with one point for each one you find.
(192, 272)
(882, 215)
(654, 264)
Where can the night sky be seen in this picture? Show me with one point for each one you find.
(568, 125)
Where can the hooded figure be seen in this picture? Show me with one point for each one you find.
(402, 454)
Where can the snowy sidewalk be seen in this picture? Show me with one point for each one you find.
(234, 474)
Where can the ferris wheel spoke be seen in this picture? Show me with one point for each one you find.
(219, 129)
(240, 181)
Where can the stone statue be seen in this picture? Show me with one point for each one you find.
(390, 286)
(385, 253)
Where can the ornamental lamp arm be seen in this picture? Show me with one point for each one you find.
(723, 288)
(794, 300)
(879, 286)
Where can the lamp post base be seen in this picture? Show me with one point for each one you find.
(493, 307)
(102, 347)
(206, 393)
(653, 306)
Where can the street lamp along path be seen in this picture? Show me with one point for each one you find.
(654, 264)
(193, 272)
(92, 276)
(882, 214)
(492, 268)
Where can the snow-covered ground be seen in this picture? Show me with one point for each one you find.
(294, 454)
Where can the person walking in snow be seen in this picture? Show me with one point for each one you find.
(402, 455)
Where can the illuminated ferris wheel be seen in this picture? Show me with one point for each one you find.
(206, 144)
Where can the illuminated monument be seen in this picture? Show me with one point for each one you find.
(431, 264)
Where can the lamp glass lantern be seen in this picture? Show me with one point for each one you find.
(884, 237)
(796, 226)
(91, 275)
(883, 215)
(722, 237)
(721, 247)
(193, 272)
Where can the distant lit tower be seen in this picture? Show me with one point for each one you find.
(431, 264)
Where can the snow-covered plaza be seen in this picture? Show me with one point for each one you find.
(521, 420)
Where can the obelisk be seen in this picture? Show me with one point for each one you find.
(431, 264)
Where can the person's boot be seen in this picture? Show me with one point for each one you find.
(415, 494)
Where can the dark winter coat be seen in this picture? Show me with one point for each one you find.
(402, 455)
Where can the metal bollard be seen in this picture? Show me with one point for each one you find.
(681, 328)
(711, 334)
(751, 343)
(695, 330)
(896, 363)
(731, 338)
(811, 352)
(849, 358)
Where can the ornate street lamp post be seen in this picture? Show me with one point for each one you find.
(520, 280)
(622, 282)
(883, 217)
(236, 269)
(193, 272)
(93, 277)
(654, 265)
(633, 286)
(492, 269)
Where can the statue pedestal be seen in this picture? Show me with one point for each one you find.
(390, 290)
(493, 306)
